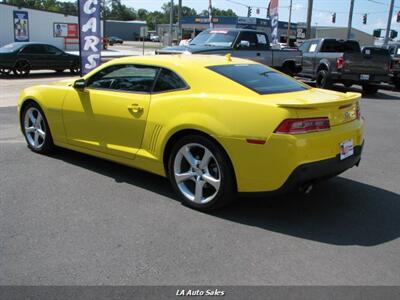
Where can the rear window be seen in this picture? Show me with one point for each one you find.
(340, 46)
(259, 78)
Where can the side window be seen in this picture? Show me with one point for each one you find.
(168, 81)
(131, 78)
(250, 37)
(31, 49)
(51, 50)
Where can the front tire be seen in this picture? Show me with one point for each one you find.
(22, 68)
(201, 173)
(36, 129)
(75, 68)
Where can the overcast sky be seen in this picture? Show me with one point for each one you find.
(377, 10)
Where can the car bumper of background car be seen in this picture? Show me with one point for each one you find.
(286, 162)
(355, 77)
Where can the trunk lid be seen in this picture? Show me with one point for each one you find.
(338, 107)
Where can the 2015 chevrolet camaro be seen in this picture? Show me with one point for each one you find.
(214, 125)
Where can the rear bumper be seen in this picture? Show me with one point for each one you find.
(355, 77)
(311, 173)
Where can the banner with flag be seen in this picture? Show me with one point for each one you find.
(273, 13)
(89, 35)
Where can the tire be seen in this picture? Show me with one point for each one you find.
(22, 68)
(370, 89)
(36, 129)
(323, 81)
(75, 69)
(396, 83)
(289, 69)
(214, 177)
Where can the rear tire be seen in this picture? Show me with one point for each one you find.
(75, 69)
(5, 71)
(205, 183)
(36, 129)
(323, 81)
(370, 89)
(289, 69)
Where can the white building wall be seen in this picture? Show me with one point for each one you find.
(40, 25)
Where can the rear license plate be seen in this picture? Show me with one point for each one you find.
(346, 149)
(364, 77)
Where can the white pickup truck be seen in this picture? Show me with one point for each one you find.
(243, 43)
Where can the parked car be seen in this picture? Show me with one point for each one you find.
(394, 50)
(243, 43)
(329, 61)
(23, 57)
(246, 129)
(155, 38)
(112, 40)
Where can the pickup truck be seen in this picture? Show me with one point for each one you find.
(394, 50)
(329, 61)
(243, 43)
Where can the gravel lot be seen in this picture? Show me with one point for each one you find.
(71, 219)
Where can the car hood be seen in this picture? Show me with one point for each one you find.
(191, 49)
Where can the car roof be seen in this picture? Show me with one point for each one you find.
(234, 29)
(184, 61)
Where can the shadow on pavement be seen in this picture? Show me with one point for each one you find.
(39, 75)
(339, 211)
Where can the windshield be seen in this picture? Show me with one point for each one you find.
(222, 38)
(259, 78)
(10, 48)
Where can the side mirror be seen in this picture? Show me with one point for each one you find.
(244, 44)
(80, 84)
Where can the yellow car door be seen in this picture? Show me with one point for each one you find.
(110, 114)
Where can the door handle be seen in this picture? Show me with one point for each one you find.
(135, 108)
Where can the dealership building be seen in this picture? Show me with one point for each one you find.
(20, 24)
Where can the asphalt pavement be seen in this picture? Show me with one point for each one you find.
(68, 219)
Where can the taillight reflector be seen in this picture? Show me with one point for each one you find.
(339, 63)
(304, 125)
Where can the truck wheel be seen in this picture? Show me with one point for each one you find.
(323, 81)
(289, 69)
(370, 89)
(396, 83)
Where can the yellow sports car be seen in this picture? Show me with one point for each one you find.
(214, 125)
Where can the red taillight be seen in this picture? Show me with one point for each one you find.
(339, 63)
(306, 125)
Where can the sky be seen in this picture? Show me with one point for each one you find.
(377, 10)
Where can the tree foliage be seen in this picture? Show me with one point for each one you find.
(116, 10)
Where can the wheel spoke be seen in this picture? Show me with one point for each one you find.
(41, 133)
(184, 176)
(206, 159)
(198, 194)
(188, 156)
(36, 139)
(32, 117)
(214, 182)
(39, 121)
(29, 129)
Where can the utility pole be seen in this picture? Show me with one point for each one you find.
(171, 21)
(309, 17)
(210, 16)
(385, 42)
(290, 19)
(350, 19)
(180, 19)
